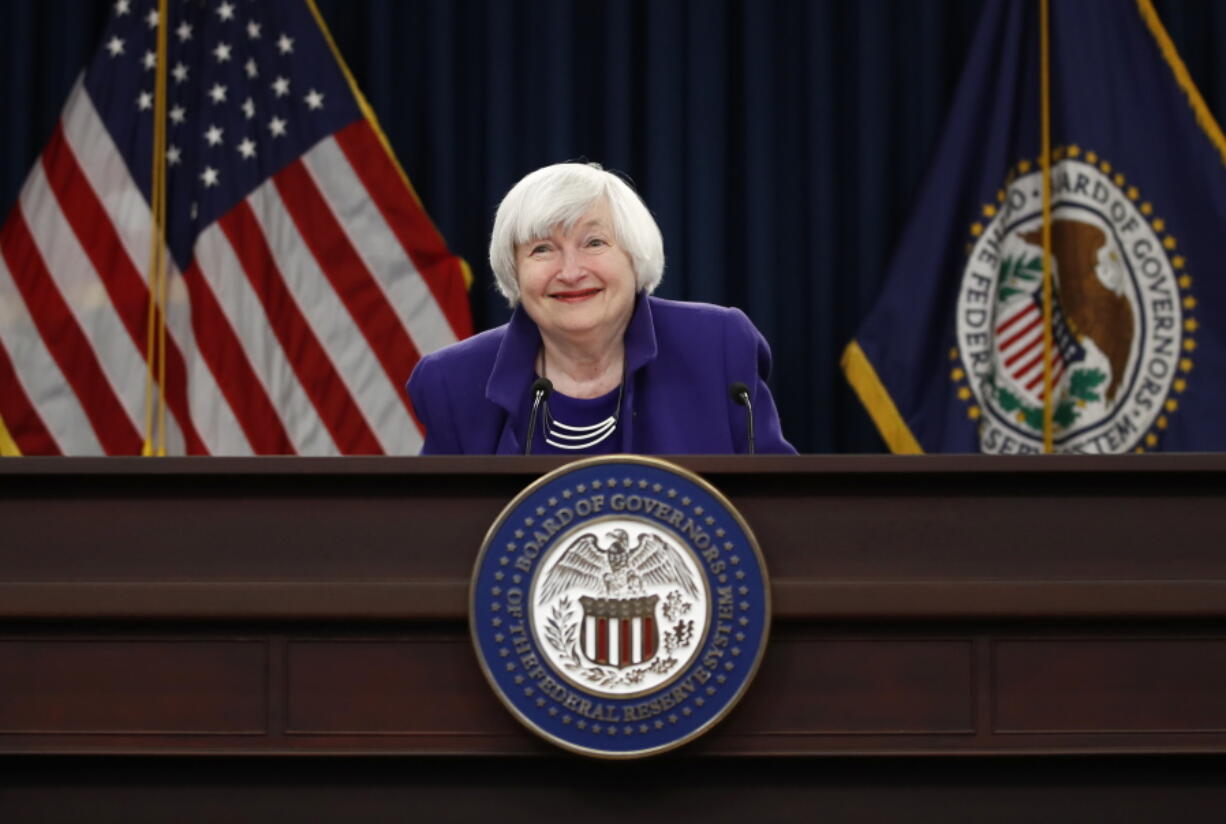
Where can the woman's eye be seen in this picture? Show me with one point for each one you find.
(597, 241)
(539, 249)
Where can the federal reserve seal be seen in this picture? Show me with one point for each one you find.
(620, 606)
(1122, 314)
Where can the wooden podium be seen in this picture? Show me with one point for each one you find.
(179, 628)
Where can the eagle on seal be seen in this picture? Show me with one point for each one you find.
(618, 570)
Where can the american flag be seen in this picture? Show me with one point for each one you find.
(1019, 342)
(304, 277)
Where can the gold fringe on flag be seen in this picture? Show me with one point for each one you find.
(8, 446)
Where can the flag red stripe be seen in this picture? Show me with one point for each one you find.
(627, 640)
(20, 417)
(315, 371)
(602, 641)
(1022, 353)
(1030, 364)
(366, 301)
(65, 340)
(1038, 379)
(222, 351)
(125, 286)
(649, 648)
(1031, 309)
(417, 234)
(1028, 329)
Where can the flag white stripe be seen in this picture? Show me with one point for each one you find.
(224, 275)
(615, 647)
(1057, 363)
(1029, 341)
(1035, 368)
(589, 631)
(215, 421)
(45, 385)
(128, 211)
(377, 245)
(1023, 353)
(347, 348)
(1035, 363)
(1012, 342)
(85, 295)
(636, 626)
(1020, 308)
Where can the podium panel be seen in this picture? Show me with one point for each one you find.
(927, 610)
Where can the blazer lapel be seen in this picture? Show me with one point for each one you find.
(641, 349)
(510, 379)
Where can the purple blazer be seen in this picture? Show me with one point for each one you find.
(474, 397)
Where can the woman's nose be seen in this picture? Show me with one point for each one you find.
(572, 264)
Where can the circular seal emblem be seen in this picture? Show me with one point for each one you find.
(620, 606)
(1121, 319)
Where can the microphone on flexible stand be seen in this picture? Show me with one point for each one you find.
(740, 394)
(541, 389)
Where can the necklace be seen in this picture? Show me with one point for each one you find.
(565, 436)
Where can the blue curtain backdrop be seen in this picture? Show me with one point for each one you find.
(780, 143)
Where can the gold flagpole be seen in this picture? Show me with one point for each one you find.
(155, 352)
(1045, 172)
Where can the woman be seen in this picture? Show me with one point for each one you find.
(577, 254)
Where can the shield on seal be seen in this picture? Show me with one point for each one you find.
(1019, 343)
(619, 632)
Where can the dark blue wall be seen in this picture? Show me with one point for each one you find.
(780, 143)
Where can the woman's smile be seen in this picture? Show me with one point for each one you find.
(576, 295)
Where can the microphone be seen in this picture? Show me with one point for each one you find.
(541, 389)
(740, 394)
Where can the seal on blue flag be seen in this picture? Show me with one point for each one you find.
(620, 606)
(1121, 322)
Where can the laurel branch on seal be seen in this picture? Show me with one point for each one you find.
(1081, 390)
(562, 630)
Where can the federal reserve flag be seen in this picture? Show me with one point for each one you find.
(303, 277)
(951, 357)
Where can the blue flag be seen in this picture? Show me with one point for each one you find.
(950, 359)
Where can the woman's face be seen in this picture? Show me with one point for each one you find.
(578, 283)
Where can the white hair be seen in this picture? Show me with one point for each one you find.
(559, 195)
